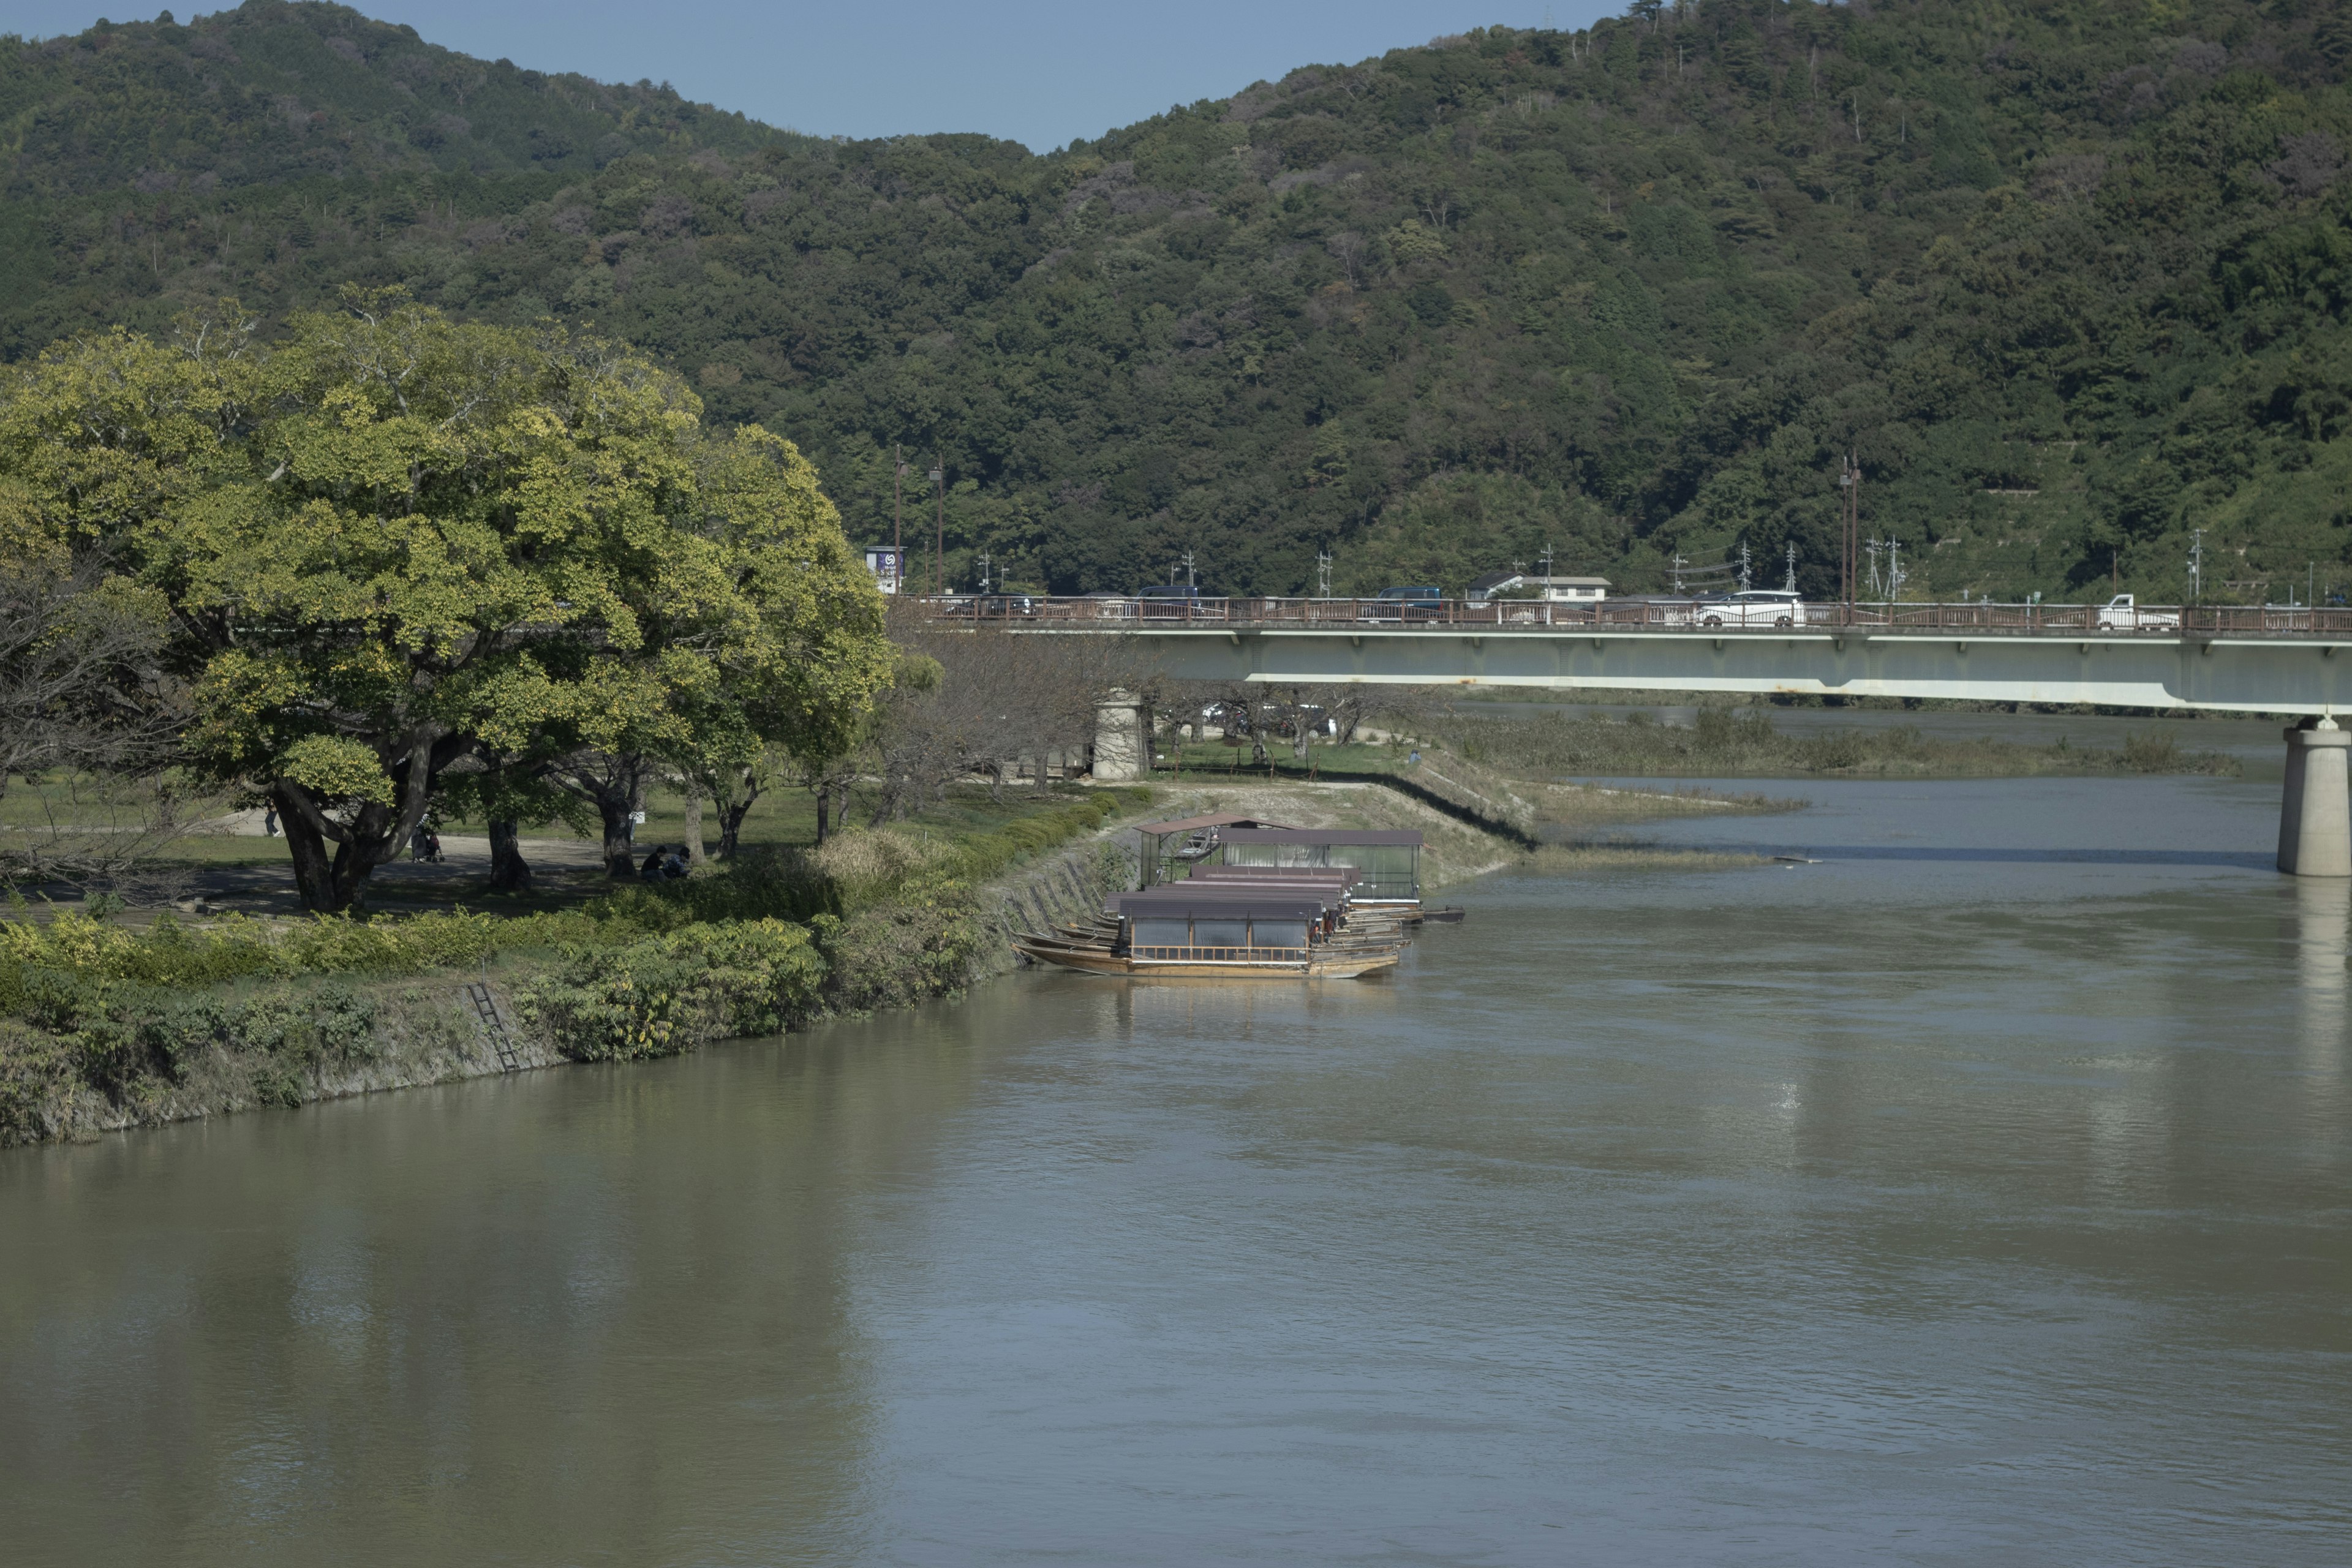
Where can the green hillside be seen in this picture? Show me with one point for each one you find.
(2072, 279)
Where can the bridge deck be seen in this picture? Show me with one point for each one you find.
(1127, 613)
(2254, 659)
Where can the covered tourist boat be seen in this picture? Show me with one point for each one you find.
(1387, 862)
(1223, 928)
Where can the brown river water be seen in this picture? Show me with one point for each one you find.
(1980, 1195)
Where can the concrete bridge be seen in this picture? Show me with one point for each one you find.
(2264, 660)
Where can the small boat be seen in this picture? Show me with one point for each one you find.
(1451, 915)
(1225, 930)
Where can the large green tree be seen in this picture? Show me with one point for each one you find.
(392, 545)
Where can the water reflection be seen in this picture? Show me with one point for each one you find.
(478, 1323)
(2323, 917)
(1959, 1209)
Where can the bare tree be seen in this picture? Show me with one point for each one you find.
(1347, 247)
(1001, 704)
(88, 730)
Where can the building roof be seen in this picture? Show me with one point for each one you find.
(1322, 835)
(1193, 824)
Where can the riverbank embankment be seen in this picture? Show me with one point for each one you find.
(109, 1025)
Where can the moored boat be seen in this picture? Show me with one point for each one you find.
(1225, 930)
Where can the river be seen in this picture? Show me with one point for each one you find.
(1982, 1194)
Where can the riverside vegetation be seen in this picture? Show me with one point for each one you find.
(1733, 741)
(2071, 278)
(103, 1024)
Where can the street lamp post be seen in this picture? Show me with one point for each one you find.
(939, 556)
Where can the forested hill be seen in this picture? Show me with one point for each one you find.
(2071, 278)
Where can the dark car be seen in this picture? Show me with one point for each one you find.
(994, 607)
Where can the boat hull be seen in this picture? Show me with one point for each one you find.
(1091, 960)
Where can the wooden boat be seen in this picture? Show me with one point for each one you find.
(1222, 931)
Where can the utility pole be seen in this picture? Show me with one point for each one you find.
(1850, 481)
(939, 557)
(1789, 586)
(984, 560)
(1191, 579)
(1545, 559)
(1323, 573)
(1745, 574)
(2195, 565)
(898, 517)
(1678, 565)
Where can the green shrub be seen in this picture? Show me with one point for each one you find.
(36, 1074)
(676, 990)
(919, 944)
(327, 944)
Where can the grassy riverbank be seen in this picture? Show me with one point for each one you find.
(1736, 743)
(107, 1025)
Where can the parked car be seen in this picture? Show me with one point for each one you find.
(1750, 607)
(2122, 613)
(1421, 602)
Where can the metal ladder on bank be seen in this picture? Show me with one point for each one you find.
(493, 1028)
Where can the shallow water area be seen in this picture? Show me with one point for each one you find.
(1978, 1193)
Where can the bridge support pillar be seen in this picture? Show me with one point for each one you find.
(1120, 740)
(2315, 812)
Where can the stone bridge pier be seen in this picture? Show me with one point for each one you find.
(1120, 745)
(2315, 812)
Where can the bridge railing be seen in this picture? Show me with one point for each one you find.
(1133, 613)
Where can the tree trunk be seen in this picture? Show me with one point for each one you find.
(730, 827)
(313, 872)
(694, 855)
(509, 872)
(335, 884)
(824, 813)
(619, 843)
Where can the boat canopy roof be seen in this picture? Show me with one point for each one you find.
(1214, 819)
(1233, 904)
(1405, 838)
(1345, 875)
(1330, 895)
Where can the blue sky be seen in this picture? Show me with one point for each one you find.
(1041, 72)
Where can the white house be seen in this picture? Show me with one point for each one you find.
(1557, 590)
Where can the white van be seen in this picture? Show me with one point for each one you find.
(1750, 607)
